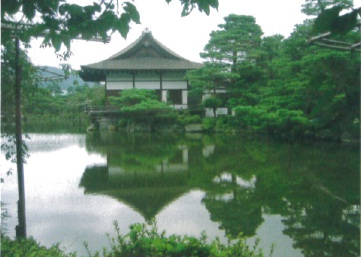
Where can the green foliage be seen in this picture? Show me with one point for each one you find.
(147, 107)
(285, 86)
(131, 97)
(331, 20)
(203, 6)
(29, 248)
(59, 22)
(186, 119)
(72, 104)
(229, 54)
(142, 105)
(252, 117)
(335, 16)
(30, 81)
(227, 124)
(209, 124)
(316, 7)
(234, 41)
(143, 240)
(212, 102)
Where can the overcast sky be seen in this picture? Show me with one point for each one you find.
(186, 36)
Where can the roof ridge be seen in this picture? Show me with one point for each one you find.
(146, 33)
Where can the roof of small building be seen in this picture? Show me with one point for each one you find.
(146, 53)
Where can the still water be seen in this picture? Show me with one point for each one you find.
(304, 199)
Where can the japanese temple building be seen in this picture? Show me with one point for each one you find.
(144, 64)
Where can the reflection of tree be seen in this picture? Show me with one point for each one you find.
(234, 206)
(309, 186)
(319, 229)
(312, 189)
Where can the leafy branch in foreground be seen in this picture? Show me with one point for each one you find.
(59, 22)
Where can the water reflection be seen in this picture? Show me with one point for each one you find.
(314, 189)
(142, 171)
(303, 198)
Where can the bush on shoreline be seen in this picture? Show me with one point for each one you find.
(142, 241)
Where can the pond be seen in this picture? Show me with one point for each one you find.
(303, 198)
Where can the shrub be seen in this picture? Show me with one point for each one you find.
(29, 248)
(142, 241)
(226, 124)
(209, 124)
(145, 241)
(186, 119)
(141, 105)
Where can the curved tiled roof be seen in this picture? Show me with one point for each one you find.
(146, 53)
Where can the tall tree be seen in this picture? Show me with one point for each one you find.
(234, 42)
(320, 86)
(230, 57)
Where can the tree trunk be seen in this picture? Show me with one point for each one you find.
(21, 228)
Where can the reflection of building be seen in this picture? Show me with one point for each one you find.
(144, 64)
(178, 163)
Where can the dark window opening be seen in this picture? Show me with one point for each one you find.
(175, 96)
(159, 95)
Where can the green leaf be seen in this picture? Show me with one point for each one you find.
(56, 42)
(132, 11)
(74, 10)
(344, 23)
(65, 38)
(122, 25)
(48, 6)
(29, 9)
(10, 7)
(324, 21)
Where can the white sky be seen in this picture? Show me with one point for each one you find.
(186, 36)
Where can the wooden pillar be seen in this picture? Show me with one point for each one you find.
(163, 93)
(106, 90)
(161, 81)
(133, 79)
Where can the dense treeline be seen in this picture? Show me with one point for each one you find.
(41, 103)
(275, 85)
(278, 85)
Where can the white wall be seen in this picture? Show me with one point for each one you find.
(174, 84)
(145, 80)
(219, 111)
(119, 85)
(147, 84)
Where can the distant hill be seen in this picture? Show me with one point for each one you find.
(53, 74)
